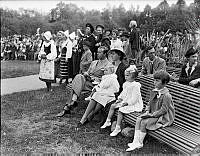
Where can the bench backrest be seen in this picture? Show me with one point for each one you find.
(186, 100)
(170, 70)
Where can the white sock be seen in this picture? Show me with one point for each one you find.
(117, 127)
(74, 97)
(108, 120)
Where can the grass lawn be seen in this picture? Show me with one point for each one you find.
(29, 125)
(17, 68)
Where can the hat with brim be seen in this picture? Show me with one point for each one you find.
(90, 26)
(190, 52)
(118, 50)
(99, 25)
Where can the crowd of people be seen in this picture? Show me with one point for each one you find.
(105, 65)
(20, 47)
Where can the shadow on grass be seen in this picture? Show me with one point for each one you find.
(29, 125)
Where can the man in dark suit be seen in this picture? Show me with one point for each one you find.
(190, 73)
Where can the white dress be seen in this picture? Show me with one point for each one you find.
(106, 89)
(132, 95)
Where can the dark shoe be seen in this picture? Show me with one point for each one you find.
(79, 125)
(86, 122)
(82, 124)
(74, 105)
(61, 114)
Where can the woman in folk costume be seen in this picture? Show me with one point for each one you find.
(70, 60)
(66, 53)
(159, 113)
(130, 99)
(47, 55)
(58, 42)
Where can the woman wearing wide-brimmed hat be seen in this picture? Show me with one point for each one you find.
(47, 55)
(117, 55)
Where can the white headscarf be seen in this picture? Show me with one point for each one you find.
(47, 35)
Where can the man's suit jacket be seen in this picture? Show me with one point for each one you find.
(185, 78)
(85, 61)
(158, 64)
(134, 39)
(92, 41)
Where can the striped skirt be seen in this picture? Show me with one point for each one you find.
(63, 65)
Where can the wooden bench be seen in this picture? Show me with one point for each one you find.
(184, 134)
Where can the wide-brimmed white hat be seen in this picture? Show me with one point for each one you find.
(66, 33)
(118, 48)
(47, 35)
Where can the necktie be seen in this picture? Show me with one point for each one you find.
(151, 67)
(189, 71)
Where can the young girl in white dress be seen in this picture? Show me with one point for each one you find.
(130, 99)
(103, 93)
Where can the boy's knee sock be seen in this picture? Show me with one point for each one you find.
(74, 97)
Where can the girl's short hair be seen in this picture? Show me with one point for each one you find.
(134, 71)
(162, 75)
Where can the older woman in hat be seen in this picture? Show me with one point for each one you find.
(134, 39)
(190, 73)
(83, 82)
(47, 55)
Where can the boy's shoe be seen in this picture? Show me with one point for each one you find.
(132, 143)
(106, 124)
(88, 98)
(134, 146)
(115, 132)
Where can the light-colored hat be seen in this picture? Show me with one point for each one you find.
(72, 36)
(118, 48)
(66, 33)
(133, 23)
(47, 35)
(131, 69)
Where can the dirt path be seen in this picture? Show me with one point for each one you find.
(18, 84)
